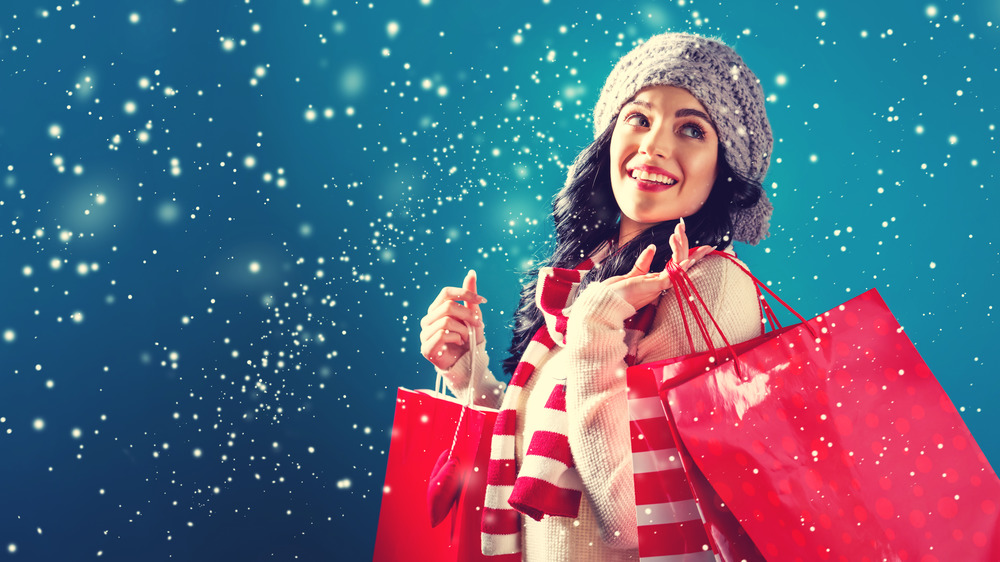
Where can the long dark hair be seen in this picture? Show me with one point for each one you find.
(586, 216)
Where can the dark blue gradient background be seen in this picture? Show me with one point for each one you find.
(209, 301)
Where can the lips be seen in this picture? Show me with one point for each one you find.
(652, 179)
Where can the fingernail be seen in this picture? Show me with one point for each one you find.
(682, 221)
(482, 300)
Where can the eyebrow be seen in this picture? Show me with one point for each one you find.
(685, 112)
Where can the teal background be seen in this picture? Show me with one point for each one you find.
(199, 356)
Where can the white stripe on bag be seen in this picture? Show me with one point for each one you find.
(704, 556)
(655, 461)
(666, 513)
(645, 408)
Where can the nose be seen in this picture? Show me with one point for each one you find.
(657, 141)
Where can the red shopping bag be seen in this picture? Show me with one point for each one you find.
(425, 425)
(832, 440)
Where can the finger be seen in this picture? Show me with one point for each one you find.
(644, 290)
(442, 338)
(449, 337)
(703, 251)
(456, 311)
(473, 299)
(683, 238)
(698, 254)
(643, 262)
(679, 243)
(454, 294)
(436, 351)
(445, 323)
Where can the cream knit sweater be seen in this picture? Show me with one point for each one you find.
(593, 368)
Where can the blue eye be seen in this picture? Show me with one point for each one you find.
(637, 119)
(692, 130)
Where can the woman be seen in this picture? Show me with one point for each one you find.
(681, 146)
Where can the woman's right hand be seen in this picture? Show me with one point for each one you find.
(444, 331)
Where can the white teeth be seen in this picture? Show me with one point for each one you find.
(658, 178)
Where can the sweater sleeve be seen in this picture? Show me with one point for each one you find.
(489, 391)
(596, 401)
(597, 410)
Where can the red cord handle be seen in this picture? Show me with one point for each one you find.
(761, 285)
(685, 290)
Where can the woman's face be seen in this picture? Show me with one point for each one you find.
(663, 158)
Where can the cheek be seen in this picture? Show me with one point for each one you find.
(705, 168)
(616, 151)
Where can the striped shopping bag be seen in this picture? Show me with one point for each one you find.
(680, 517)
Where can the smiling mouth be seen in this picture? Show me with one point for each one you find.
(652, 182)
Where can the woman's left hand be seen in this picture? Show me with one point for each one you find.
(640, 287)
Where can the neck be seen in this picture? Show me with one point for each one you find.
(628, 229)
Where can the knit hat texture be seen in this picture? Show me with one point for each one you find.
(714, 74)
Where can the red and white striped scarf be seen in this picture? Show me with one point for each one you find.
(547, 482)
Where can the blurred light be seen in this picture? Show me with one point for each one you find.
(352, 81)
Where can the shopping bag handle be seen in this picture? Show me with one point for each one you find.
(761, 285)
(684, 290)
(438, 384)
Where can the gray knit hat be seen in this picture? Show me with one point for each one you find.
(718, 78)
